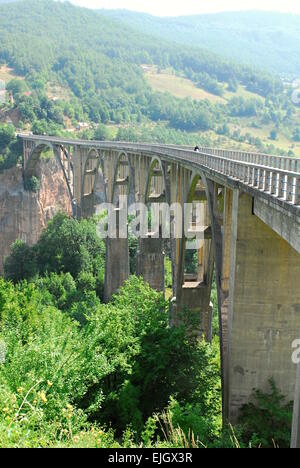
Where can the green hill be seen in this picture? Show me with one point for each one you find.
(78, 66)
(263, 39)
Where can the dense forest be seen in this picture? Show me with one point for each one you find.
(81, 66)
(265, 40)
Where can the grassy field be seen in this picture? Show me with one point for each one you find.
(243, 92)
(7, 74)
(54, 91)
(282, 141)
(179, 87)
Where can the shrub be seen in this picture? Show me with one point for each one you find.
(32, 184)
(21, 264)
(267, 420)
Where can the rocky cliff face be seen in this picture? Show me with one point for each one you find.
(24, 215)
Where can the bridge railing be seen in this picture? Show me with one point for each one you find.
(279, 183)
(279, 162)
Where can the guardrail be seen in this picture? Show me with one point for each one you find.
(279, 162)
(279, 183)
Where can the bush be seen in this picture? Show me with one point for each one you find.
(48, 367)
(10, 147)
(266, 422)
(32, 184)
(21, 264)
(273, 135)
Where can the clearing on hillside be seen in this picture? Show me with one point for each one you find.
(167, 80)
(56, 92)
(179, 87)
(7, 74)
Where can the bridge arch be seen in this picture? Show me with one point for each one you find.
(193, 275)
(30, 167)
(90, 171)
(93, 187)
(62, 156)
(122, 182)
(156, 190)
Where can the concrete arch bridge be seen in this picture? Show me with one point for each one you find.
(250, 209)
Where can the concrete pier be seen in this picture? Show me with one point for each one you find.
(151, 263)
(264, 309)
(117, 267)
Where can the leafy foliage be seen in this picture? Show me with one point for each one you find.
(267, 421)
(74, 366)
(10, 148)
(32, 184)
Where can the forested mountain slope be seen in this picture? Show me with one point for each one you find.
(263, 39)
(81, 66)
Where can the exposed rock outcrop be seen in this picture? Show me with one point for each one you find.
(23, 214)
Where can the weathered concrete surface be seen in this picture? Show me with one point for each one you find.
(195, 301)
(24, 215)
(264, 309)
(295, 441)
(282, 221)
(117, 268)
(151, 263)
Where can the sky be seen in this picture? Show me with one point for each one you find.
(192, 7)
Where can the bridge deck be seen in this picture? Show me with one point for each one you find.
(273, 177)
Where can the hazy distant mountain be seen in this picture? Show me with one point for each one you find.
(266, 40)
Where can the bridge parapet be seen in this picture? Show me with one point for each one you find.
(278, 162)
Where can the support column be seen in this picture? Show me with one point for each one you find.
(222, 235)
(196, 300)
(77, 181)
(117, 264)
(225, 274)
(117, 268)
(264, 309)
(151, 263)
(193, 291)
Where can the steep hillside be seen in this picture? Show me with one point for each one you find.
(267, 40)
(23, 214)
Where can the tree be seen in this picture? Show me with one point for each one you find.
(21, 264)
(66, 246)
(273, 134)
(7, 136)
(70, 246)
(17, 87)
(296, 134)
(102, 133)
